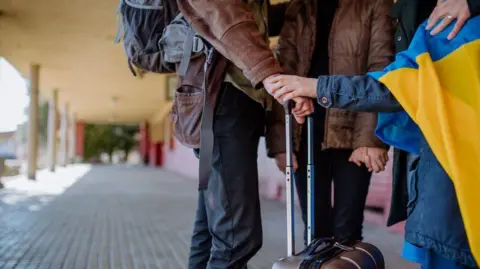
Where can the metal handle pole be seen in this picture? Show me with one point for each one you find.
(290, 179)
(310, 182)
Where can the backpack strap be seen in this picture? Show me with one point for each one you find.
(215, 68)
(193, 44)
(187, 52)
(206, 131)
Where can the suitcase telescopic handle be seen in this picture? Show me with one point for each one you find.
(290, 180)
(310, 182)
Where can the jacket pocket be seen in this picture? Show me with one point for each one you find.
(187, 115)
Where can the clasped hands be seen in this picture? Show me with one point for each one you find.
(298, 89)
(301, 90)
(375, 159)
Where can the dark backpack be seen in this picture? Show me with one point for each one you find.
(156, 36)
(158, 39)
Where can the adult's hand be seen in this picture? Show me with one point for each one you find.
(448, 11)
(281, 160)
(303, 106)
(287, 87)
(268, 83)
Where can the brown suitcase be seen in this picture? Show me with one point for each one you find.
(322, 253)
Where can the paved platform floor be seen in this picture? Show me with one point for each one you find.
(122, 217)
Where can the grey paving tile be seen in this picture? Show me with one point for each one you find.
(127, 218)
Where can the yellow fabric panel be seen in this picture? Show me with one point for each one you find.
(443, 98)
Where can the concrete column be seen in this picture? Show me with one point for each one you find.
(64, 137)
(72, 139)
(33, 121)
(52, 131)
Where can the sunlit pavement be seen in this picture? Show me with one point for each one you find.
(123, 217)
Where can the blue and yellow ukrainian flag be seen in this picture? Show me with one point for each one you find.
(437, 82)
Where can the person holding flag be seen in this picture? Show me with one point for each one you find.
(430, 103)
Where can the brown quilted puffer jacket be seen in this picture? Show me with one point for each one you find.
(361, 40)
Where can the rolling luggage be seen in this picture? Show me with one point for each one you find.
(324, 253)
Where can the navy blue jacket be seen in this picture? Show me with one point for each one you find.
(434, 220)
(408, 15)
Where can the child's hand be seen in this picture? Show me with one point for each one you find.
(375, 159)
(286, 87)
(303, 107)
(358, 156)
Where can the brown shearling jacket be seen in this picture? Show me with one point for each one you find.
(360, 41)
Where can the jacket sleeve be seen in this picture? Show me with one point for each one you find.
(474, 6)
(355, 93)
(229, 25)
(275, 119)
(286, 50)
(276, 16)
(286, 54)
(381, 50)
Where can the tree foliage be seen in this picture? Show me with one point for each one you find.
(43, 122)
(22, 129)
(108, 139)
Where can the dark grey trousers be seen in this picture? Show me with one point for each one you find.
(228, 230)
